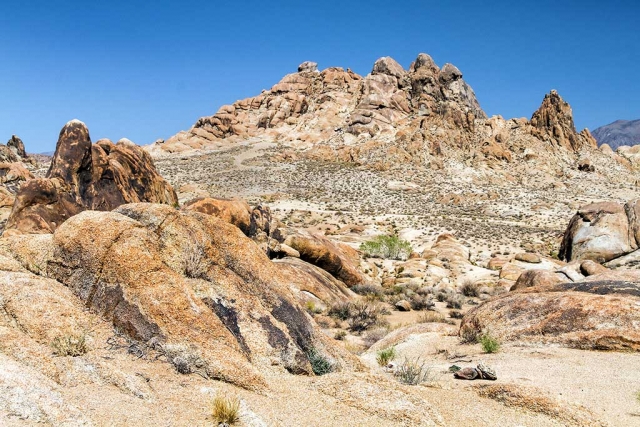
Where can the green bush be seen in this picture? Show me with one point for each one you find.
(389, 246)
(383, 357)
(489, 344)
(319, 363)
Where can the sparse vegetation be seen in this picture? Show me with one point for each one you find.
(360, 315)
(311, 307)
(489, 343)
(185, 359)
(387, 246)
(364, 315)
(320, 364)
(70, 344)
(225, 409)
(383, 357)
(340, 335)
(468, 334)
(414, 372)
(469, 289)
(194, 258)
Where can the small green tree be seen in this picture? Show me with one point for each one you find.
(387, 246)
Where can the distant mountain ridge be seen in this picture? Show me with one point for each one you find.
(618, 133)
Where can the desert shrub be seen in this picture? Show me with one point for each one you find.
(320, 364)
(469, 289)
(225, 409)
(394, 290)
(341, 310)
(184, 359)
(383, 357)
(340, 335)
(441, 296)
(489, 343)
(363, 315)
(456, 314)
(389, 246)
(421, 303)
(413, 372)
(431, 317)
(468, 334)
(453, 301)
(311, 307)
(374, 335)
(70, 344)
(368, 290)
(424, 291)
(194, 258)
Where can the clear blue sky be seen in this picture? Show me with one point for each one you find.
(146, 70)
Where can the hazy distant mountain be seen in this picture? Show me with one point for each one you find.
(620, 132)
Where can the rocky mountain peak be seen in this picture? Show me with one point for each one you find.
(17, 144)
(308, 67)
(554, 121)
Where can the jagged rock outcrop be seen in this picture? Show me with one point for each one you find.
(602, 231)
(421, 116)
(17, 145)
(83, 176)
(553, 121)
(318, 106)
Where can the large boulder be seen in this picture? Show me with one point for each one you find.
(236, 212)
(181, 279)
(83, 176)
(320, 251)
(601, 232)
(595, 314)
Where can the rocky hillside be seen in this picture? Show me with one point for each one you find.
(425, 116)
(619, 133)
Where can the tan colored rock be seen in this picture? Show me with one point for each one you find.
(236, 212)
(590, 268)
(599, 232)
(170, 278)
(583, 319)
(529, 257)
(531, 278)
(83, 176)
(497, 262)
(320, 251)
(511, 271)
(403, 305)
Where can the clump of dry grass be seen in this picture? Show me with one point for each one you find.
(534, 400)
(70, 344)
(225, 409)
(194, 258)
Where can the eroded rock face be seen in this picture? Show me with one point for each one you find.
(83, 176)
(596, 314)
(236, 212)
(320, 106)
(553, 121)
(16, 144)
(168, 277)
(320, 251)
(602, 232)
